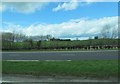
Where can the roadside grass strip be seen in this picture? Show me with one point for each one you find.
(82, 68)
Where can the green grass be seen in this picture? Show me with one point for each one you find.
(85, 68)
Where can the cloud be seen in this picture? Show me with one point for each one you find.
(73, 4)
(2, 7)
(83, 28)
(22, 7)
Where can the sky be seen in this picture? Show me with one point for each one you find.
(59, 19)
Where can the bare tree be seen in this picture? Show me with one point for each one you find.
(48, 37)
(18, 37)
(114, 33)
(105, 32)
(7, 36)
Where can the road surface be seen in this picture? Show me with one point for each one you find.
(61, 55)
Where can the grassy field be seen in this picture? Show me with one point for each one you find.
(86, 68)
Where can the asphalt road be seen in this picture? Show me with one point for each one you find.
(61, 55)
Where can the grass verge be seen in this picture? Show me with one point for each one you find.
(86, 68)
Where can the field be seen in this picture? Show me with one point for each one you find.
(84, 68)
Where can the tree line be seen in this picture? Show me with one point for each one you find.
(13, 41)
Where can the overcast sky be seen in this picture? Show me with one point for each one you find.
(59, 19)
